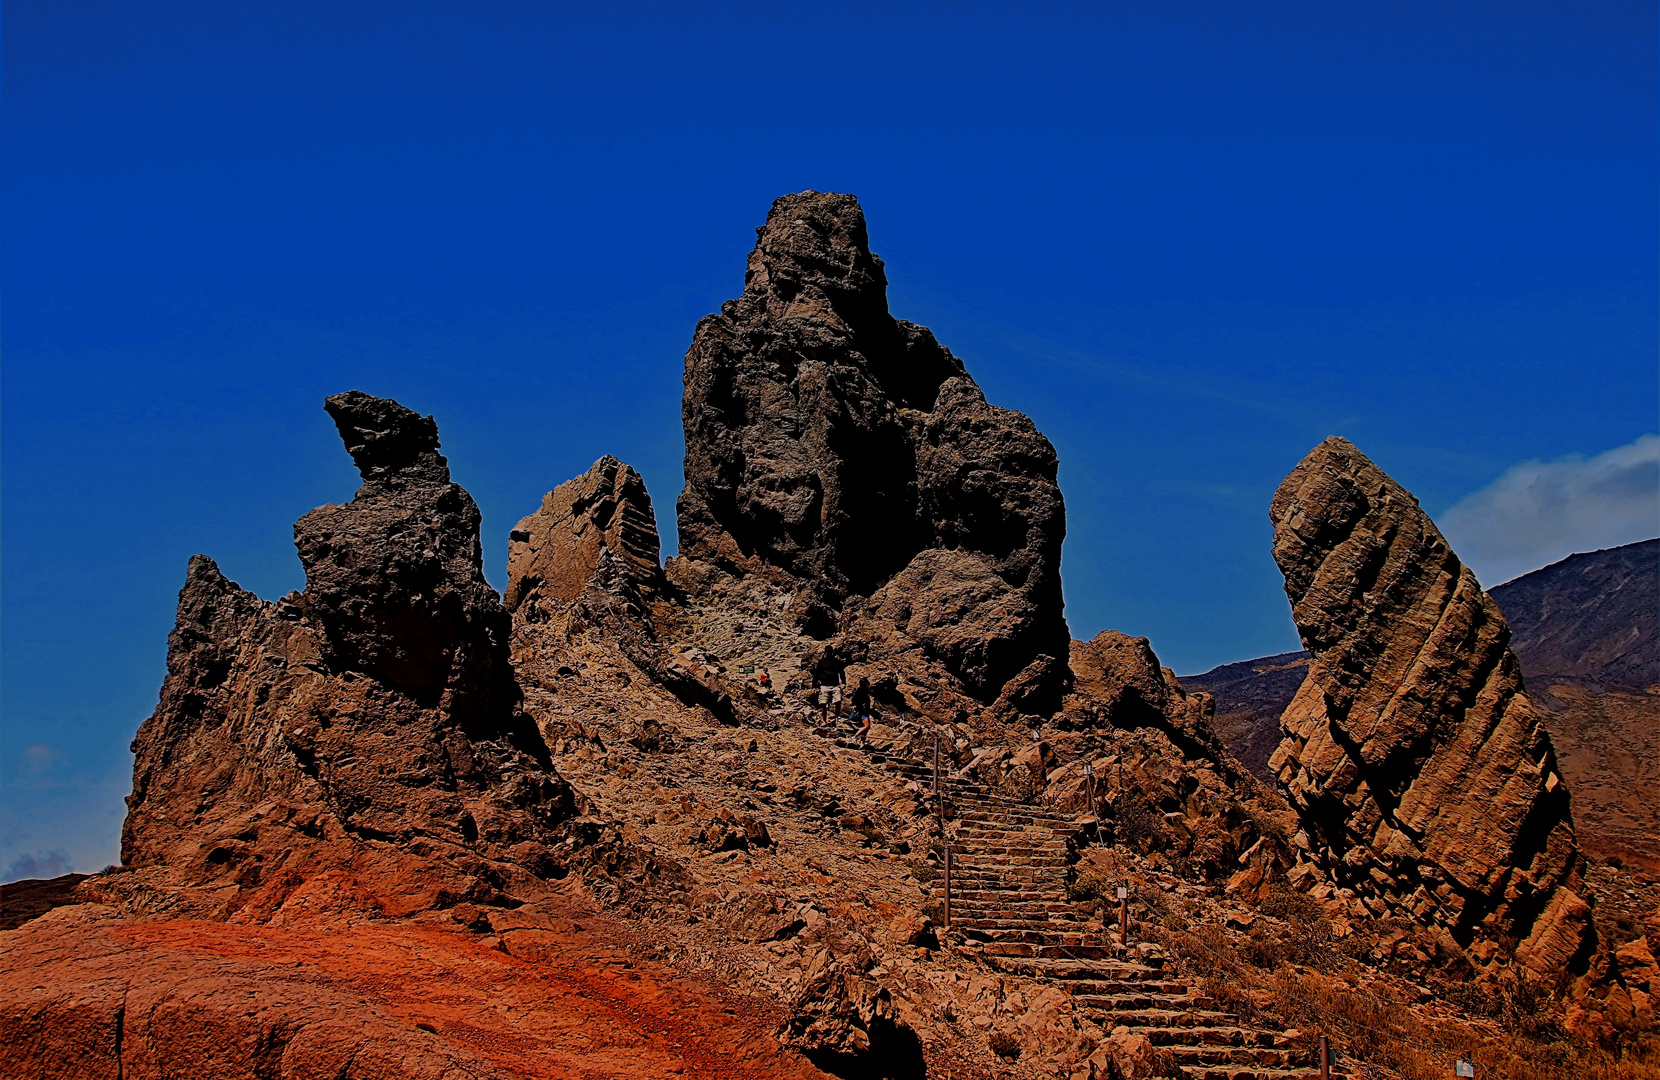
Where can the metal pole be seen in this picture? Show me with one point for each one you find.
(1089, 786)
(1123, 916)
(1325, 1059)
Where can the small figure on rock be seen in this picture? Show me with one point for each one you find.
(861, 709)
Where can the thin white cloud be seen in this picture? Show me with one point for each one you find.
(1542, 511)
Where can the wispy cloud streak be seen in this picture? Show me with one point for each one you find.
(1542, 511)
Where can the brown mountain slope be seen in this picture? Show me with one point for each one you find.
(1592, 618)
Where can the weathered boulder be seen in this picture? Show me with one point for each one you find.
(556, 552)
(1117, 680)
(369, 725)
(848, 454)
(1425, 783)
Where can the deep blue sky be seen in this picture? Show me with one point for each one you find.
(1190, 240)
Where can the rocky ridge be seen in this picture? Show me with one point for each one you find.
(478, 795)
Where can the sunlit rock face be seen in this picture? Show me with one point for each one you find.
(1425, 782)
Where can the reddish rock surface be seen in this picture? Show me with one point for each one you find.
(1426, 783)
(87, 994)
(555, 552)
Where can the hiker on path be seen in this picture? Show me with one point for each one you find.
(861, 709)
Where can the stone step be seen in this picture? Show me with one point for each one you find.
(1157, 1018)
(1119, 996)
(1239, 1056)
(1062, 925)
(1051, 952)
(1197, 1035)
(1065, 971)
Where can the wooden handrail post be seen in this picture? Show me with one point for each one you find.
(948, 886)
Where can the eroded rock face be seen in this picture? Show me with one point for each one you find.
(369, 724)
(395, 578)
(851, 455)
(1120, 680)
(557, 551)
(1417, 763)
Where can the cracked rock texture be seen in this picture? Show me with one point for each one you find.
(843, 453)
(556, 551)
(1426, 785)
(369, 724)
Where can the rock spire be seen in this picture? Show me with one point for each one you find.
(1424, 780)
(851, 455)
(369, 725)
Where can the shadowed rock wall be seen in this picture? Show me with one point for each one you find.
(852, 455)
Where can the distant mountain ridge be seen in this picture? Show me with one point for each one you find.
(1587, 632)
(1591, 618)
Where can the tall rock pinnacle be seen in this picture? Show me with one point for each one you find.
(369, 725)
(396, 576)
(1412, 753)
(852, 454)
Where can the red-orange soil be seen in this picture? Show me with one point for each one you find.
(578, 1001)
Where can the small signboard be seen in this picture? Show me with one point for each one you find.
(1464, 1068)
(1123, 893)
(747, 670)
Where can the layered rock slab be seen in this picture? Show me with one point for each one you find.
(556, 552)
(370, 724)
(844, 453)
(1420, 769)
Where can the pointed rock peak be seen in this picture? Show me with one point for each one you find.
(812, 258)
(555, 552)
(840, 453)
(388, 441)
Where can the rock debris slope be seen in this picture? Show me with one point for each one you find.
(368, 725)
(845, 454)
(1427, 787)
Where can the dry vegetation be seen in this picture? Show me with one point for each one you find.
(1385, 1027)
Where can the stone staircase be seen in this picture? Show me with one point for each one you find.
(1009, 905)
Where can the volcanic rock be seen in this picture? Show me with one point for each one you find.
(1424, 780)
(557, 551)
(847, 454)
(1123, 682)
(370, 724)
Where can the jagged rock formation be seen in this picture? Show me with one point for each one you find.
(586, 564)
(847, 454)
(557, 551)
(368, 725)
(1426, 785)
